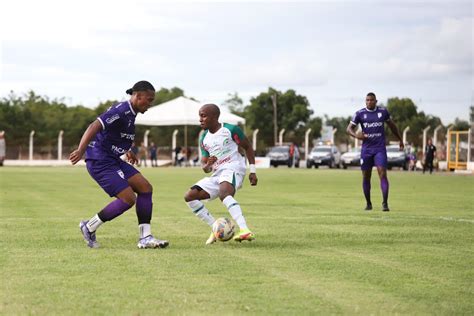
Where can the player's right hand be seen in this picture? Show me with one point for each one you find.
(131, 157)
(75, 156)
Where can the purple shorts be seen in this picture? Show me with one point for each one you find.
(111, 175)
(371, 157)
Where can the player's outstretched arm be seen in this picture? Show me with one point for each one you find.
(396, 132)
(351, 130)
(245, 144)
(89, 134)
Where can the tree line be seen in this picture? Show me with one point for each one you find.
(19, 114)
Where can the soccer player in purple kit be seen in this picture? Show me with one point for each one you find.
(373, 153)
(106, 139)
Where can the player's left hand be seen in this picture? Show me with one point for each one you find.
(253, 179)
(131, 157)
(402, 146)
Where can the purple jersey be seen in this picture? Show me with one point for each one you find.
(117, 134)
(372, 123)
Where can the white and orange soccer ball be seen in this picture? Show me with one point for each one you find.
(223, 229)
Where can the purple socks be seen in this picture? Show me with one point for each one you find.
(366, 187)
(384, 187)
(114, 209)
(144, 208)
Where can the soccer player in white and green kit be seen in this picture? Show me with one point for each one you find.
(220, 155)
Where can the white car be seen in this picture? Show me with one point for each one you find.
(351, 158)
(324, 155)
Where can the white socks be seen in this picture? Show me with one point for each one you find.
(94, 223)
(235, 211)
(145, 230)
(201, 211)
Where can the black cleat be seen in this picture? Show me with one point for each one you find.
(385, 207)
(368, 207)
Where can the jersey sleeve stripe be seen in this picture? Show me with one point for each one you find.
(101, 122)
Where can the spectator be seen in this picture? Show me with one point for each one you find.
(430, 152)
(2, 147)
(153, 155)
(177, 152)
(142, 153)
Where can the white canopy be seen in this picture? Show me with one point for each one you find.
(180, 111)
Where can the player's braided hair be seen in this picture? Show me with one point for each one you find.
(140, 86)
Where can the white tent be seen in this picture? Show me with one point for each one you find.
(180, 111)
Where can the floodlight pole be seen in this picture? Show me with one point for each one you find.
(32, 133)
(254, 140)
(280, 136)
(306, 143)
(405, 131)
(145, 138)
(425, 132)
(173, 146)
(60, 145)
(275, 125)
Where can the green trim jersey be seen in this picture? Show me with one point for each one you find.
(224, 145)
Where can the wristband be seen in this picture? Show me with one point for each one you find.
(252, 168)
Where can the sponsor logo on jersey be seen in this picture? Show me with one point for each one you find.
(112, 119)
(374, 135)
(127, 136)
(374, 124)
(118, 150)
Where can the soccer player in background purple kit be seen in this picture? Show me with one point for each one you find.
(105, 140)
(372, 119)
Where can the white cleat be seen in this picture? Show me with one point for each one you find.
(152, 242)
(212, 239)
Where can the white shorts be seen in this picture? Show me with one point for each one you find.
(211, 184)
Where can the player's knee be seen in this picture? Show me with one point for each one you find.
(129, 199)
(189, 196)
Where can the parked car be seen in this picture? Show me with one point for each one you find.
(280, 155)
(324, 155)
(351, 158)
(396, 157)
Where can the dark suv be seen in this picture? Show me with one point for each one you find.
(280, 155)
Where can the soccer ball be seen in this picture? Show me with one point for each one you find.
(223, 229)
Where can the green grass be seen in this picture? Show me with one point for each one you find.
(316, 251)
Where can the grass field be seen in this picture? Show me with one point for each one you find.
(316, 251)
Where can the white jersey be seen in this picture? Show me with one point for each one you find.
(224, 144)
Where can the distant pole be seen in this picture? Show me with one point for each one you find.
(145, 138)
(469, 139)
(450, 127)
(332, 136)
(425, 132)
(306, 143)
(199, 145)
(435, 135)
(405, 131)
(32, 133)
(275, 125)
(254, 140)
(60, 145)
(173, 145)
(280, 136)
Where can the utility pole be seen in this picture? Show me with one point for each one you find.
(275, 126)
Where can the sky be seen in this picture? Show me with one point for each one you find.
(332, 52)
